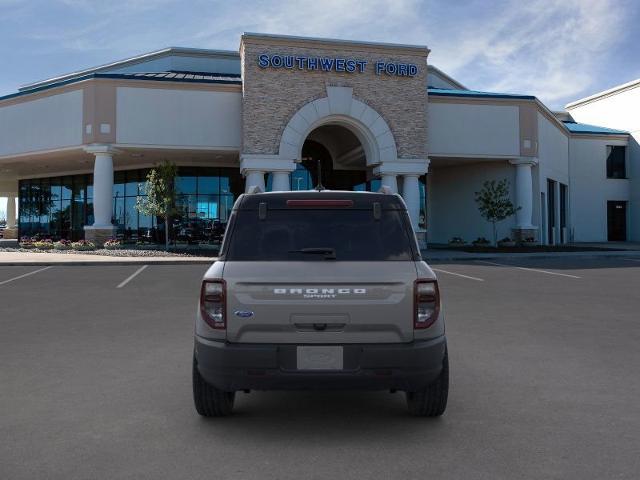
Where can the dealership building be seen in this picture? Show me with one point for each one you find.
(75, 150)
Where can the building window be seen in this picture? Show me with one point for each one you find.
(551, 211)
(422, 219)
(563, 212)
(60, 207)
(300, 178)
(372, 185)
(54, 207)
(205, 197)
(616, 162)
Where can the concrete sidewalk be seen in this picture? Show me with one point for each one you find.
(33, 258)
(456, 255)
(45, 259)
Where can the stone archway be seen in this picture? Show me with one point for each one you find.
(337, 154)
(340, 108)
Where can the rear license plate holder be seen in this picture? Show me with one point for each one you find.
(321, 357)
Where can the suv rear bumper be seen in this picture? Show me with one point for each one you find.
(404, 366)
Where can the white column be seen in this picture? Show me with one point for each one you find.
(389, 180)
(410, 170)
(411, 195)
(524, 192)
(11, 211)
(102, 228)
(254, 178)
(103, 189)
(280, 182)
(253, 167)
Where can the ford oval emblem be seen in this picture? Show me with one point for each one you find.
(243, 313)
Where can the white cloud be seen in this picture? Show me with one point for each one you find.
(548, 48)
(349, 19)
(554, 49)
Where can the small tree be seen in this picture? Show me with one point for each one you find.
(160, 193)
(494, 203)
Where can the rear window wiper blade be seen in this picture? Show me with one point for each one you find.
(330, 253)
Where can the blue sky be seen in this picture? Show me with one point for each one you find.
(557, 50)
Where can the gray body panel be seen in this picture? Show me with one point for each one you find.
(289, 302)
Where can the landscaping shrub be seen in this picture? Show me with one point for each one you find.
(43, 244)
(481, 241)
(62, 245)
(83, 245)
(112, 244)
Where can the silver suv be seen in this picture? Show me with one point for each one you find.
(320, 290)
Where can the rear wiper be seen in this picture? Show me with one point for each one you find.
(329, 253)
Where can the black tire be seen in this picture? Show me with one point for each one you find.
(209, 401)
(432, 401)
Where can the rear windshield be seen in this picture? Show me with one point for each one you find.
(320, 235)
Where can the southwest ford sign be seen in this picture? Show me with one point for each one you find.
(331, 64)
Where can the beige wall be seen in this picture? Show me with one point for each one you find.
(8, 187)
(272, 96)
(169, 117)
(459, 129)
(451, 206)
(99, 112)
(49, 122)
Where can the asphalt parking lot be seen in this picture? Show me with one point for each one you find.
(545, 363)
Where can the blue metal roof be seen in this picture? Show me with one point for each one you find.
(575, 127)
(173, 76)
(176, 75)
(444, 92)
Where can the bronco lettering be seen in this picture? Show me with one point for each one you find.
(317, 290)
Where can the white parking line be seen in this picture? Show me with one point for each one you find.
(25, 275)
(132, 276)
(528, 269)
(457, 274)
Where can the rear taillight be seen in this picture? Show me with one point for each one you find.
(320, 203)
(213, 303)
(426, 303)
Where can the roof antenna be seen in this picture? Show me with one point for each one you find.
(319, 186)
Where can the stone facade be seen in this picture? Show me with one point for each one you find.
(10, 233)
(522, 234)
(271, 96)
(98, 235)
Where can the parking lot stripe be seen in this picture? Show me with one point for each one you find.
(458, 274)
(25, 275)
(132, 276)
(528, 269)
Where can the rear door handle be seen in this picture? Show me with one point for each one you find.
(320, 327)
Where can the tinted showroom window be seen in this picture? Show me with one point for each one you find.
(616, 162)
(354, 235)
